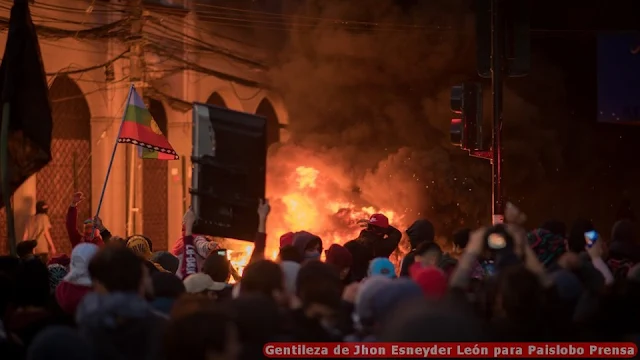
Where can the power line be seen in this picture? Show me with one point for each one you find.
(213, 48)
(90, 68)
(264, 16)
(106, 31)
(188, 65)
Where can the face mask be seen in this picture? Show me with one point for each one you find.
(312, 255)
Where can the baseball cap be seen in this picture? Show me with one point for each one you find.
(379, 220)
(200, 282)
(383, 267)
(139, 245)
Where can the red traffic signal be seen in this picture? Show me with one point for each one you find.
(466, 123)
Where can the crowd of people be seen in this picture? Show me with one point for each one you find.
(115, 298)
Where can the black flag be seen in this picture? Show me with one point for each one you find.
(25, 90)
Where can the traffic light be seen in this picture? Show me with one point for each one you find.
(466, 123)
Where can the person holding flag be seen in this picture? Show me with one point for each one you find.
(138, 128)
(92, 229)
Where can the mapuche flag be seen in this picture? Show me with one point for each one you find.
(25, 91)
(139, 128)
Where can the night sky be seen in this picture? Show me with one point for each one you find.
(618, 77)
(599, 171)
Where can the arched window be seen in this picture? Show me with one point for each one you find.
(70, 167)
(217, 100)
(265, 108)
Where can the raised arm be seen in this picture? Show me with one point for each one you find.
(189, 263)
(260, 243)
(71, 223)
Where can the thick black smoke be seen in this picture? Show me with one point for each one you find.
(371, 99)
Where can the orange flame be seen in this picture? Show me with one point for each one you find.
(308, 201)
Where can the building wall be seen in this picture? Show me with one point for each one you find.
(106, 102)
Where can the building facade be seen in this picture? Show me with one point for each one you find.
(188, 56)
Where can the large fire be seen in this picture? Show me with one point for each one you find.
(309, 201)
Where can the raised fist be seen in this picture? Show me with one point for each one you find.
(77, 198)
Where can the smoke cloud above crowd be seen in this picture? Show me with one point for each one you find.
(368, 105)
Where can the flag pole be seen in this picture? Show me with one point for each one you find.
(113, 153)
(6, 178)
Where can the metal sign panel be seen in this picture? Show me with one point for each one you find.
(229, 170)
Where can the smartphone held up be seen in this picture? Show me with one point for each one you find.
(590, 237)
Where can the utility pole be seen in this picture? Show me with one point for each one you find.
(497, 82)
(136, 75)
(493, 46)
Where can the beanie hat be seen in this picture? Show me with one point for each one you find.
(140, 245)
(286, 239)
(431, 280)
(546, 245)
(339, 256)
(166, 260)
(389, 297)
(57, 272)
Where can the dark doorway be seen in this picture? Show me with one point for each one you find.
(70, 168)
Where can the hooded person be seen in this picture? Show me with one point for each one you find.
(77, 283)
(309, 246)
(420, 231)
(338, 256)
(286, 239)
